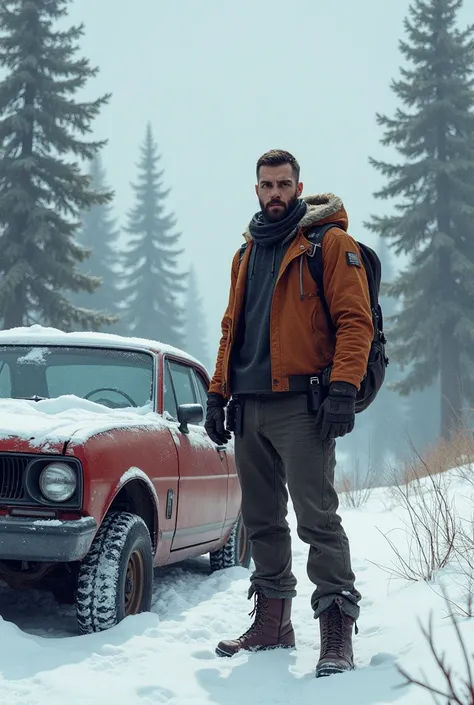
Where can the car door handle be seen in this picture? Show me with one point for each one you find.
(221, 449)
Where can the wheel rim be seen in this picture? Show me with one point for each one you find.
(134, 582)
(242, 543)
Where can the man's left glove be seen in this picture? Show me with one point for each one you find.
(336, 416)
(215, 419)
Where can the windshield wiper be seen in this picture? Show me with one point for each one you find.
(35, 397)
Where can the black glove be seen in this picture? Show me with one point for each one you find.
(215, 419)
(336, 416)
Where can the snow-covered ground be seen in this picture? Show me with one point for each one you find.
(168, 656)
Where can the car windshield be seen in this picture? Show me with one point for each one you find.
(114, 378)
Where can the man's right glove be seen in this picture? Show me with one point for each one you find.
(215, 419)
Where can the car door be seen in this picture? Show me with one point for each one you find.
(234, 492)
(203, 477)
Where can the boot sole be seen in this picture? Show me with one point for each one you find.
(256, 649)
(331, 669)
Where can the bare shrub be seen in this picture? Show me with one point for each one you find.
(458, 690)
(355, 488)
(431, 528)
(463, 604)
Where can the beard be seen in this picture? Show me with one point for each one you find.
(275, 217)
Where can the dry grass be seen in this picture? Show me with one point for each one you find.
(443, 456)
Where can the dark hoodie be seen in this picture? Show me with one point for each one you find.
(250, 366)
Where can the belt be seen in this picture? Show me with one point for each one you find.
(301, 383)
(296, 384)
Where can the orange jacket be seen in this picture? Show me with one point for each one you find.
(301, 342)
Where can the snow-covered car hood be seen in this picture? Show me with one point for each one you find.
(47, 424)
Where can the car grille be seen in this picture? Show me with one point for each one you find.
(12, 477)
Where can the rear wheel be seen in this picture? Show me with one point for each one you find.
(116, 577)
(235, 552)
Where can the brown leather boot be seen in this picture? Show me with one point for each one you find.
(336, 655)
(271, 629)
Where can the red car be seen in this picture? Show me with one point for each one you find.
(106, 470)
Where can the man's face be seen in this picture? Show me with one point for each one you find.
(277, 191)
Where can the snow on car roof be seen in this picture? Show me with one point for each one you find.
(36, 334)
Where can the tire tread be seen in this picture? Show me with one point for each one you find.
(96, 607)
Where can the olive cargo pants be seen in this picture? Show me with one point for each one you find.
(278, 448)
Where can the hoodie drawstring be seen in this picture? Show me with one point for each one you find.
(274, 261)
(253, 255)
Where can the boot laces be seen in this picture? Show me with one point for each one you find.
(333, 632)
(259, 612)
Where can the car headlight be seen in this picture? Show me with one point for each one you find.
(58, 482)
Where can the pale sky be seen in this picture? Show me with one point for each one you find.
(223, 82)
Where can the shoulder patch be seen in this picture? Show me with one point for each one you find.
(352, 259)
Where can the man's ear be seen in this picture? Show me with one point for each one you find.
(299, 189)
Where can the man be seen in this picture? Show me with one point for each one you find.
(275, 338)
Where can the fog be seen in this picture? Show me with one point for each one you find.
(221, 83)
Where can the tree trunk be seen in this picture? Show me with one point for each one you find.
(450, 369)
(451, 384)
(15, 310)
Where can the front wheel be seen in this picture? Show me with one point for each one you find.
(116, 577)
(235, 552)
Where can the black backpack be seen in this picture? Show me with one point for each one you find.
(377, 361)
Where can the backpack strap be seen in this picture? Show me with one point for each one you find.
(315, 264)
(242, 252)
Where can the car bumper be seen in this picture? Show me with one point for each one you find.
(45, 540)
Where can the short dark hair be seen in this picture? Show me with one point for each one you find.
(277, 157)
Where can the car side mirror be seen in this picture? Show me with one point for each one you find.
(189, 413)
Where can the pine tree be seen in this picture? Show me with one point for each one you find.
(99, 235)
(152, 285)
(196, 339)
(42, 187)
(434, 215)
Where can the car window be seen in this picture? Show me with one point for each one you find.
(169, 401)
(128, 374)
(202, 390)
(183, 383)
(112, 377)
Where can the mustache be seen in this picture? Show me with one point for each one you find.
(275, 203)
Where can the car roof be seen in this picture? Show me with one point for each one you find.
(40, 335)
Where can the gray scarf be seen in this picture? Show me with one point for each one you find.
(268, 233)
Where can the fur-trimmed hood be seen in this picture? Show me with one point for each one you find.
(322, 208)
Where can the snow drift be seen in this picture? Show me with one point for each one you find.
(167, 656)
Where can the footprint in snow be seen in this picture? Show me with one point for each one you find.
(383, 659)
(370, 631)
(155, 693)
(360, 568)
(205, 655)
